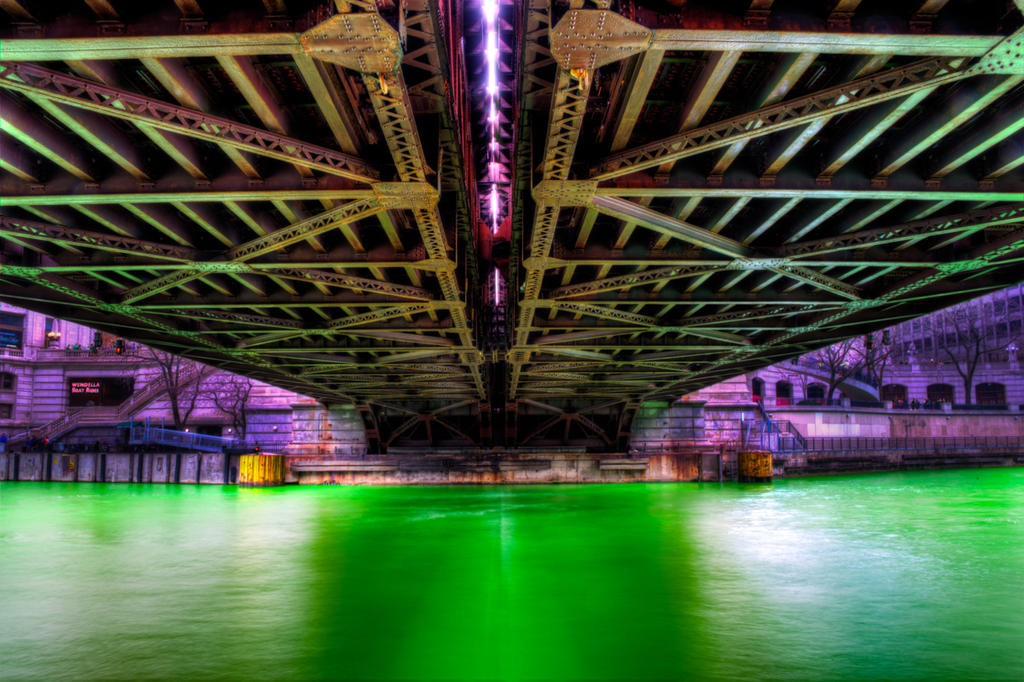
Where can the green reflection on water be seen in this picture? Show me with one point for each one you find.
(896, 575)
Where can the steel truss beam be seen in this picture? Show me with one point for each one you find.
(568, 104)
(36, 230)
(80, 92)
(830, 102)
(328, 220)
(859, 93)
(374, 50)
(978, 259)
(907, 192)
(929, 227)
(585, 38)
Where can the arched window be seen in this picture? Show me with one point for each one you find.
(7, 381)
(816, 392)
(757, 388)
(940, 393)
(990, 394)
(894, 392)
(783, 389)
(783, 392)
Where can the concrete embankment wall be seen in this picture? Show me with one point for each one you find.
(407, 470)
(817, 464)
(118, 467)
(881, 423)
(535, 468)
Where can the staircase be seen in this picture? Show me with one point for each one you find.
(155, 389)
(777, 435)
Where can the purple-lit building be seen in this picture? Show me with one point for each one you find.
(65, 382)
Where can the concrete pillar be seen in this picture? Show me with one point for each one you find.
(660, 427)
(319, 432)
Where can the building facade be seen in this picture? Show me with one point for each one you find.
(65, 382)
(925, 358)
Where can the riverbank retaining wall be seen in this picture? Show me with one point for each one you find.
(863, 461)
(533, 468)
(405, 470)
(114, 467)
(209, 468)
(882, 423)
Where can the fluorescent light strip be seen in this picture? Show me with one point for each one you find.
(490, 9)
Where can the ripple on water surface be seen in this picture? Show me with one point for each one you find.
(907, 575)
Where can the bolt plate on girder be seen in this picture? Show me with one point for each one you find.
(589, 38)
(435, 264)
(21, 271)
(541, 263)
(220, 267)
(405, 194)
(1006, 57)
(362, 42)
(862, 304)
(757, 263)
(565, 192)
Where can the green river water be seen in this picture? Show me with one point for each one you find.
(906, 575)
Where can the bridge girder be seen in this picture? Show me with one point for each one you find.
(293, 196)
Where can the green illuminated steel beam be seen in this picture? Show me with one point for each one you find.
(79, 92)
(318, 224)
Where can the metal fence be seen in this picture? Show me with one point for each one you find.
(952, 443)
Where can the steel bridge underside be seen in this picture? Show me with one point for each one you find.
(285, 190)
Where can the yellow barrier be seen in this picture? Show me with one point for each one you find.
(755, 465)
(259, 471)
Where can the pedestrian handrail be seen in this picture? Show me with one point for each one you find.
(144, 433)
(774, 434)
(836, 444)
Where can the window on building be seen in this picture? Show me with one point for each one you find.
(11, 330)
(783, 392)
(816, 392)
(897, 393)
(940, 393)
(51, 335)
(7, 381)
(990, 394)
(757, 388)
(6, 410)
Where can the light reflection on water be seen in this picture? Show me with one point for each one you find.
(917, 575)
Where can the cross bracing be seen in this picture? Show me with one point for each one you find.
(289, 190)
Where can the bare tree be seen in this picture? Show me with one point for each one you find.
(875, 358)
(840, 362)
(231, 397)
(182, 379)
(968, 338)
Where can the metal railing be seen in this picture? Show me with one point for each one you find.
(775, 435)
(72, 352)
(144, 433)
(840, 444)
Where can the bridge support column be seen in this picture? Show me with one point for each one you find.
(260, 471)
(661, 427)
